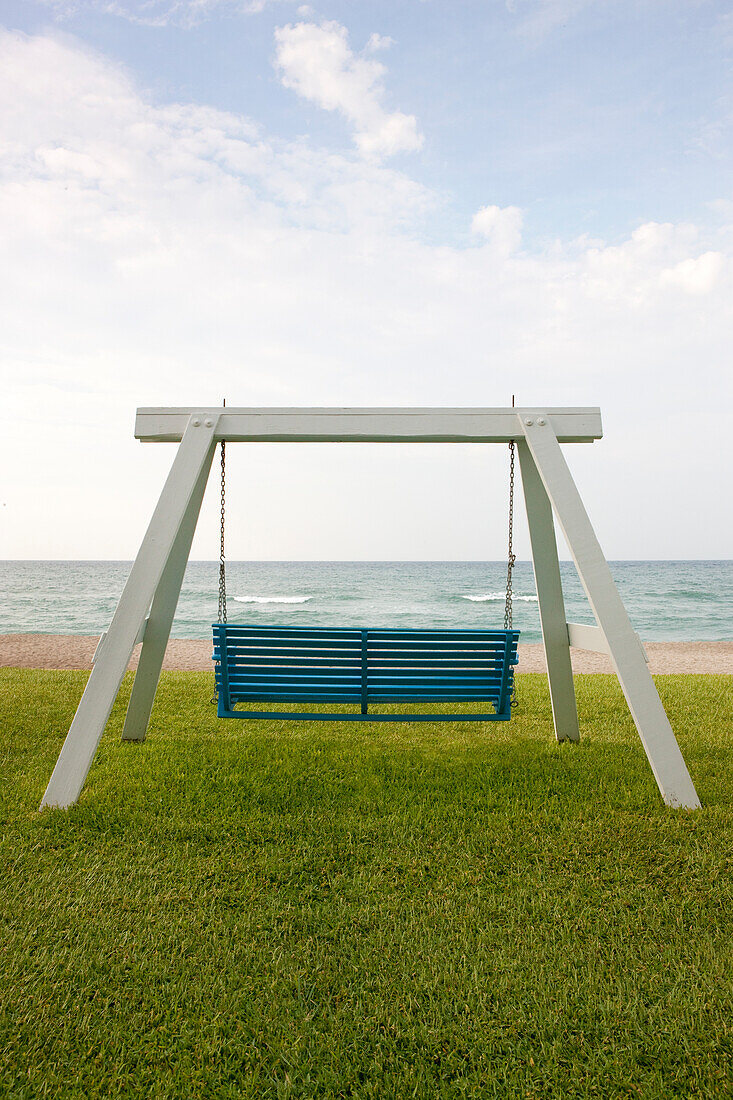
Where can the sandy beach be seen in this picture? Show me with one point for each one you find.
(75, 651)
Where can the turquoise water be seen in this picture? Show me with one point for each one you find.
(666, 601)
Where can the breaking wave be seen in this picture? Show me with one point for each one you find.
(490, 596)
(272, 599)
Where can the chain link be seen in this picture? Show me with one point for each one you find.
(511, 558)
(222, 566)
(510, 561)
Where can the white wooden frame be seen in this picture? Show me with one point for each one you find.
(148, 602)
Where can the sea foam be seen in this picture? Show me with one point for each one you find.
(272, 599)
(490, 596)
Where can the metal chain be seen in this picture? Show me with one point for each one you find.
(511, 559)
(222, 566)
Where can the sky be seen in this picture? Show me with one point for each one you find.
(413, 203)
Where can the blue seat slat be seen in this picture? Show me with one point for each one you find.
(287, 662)
(416, 672)
(299, 671)
(295, 663)
(319, 665)
(488, 691)
(456, 688)
(434, 685)
(295, 681)
(246, 640)
(348, 645)
(296, 690)
(377, 637)
(293, 697)
(462, 659)
(419, 690)
(290, 632)
(353, 669)
(276, 645)
(431, 697)
(424, 646)
(354, 697)
(436, 670)
(249, 676)
(413, 672)
(428, 697)
(350, 716)
(293, 651)
(255, 683)
(301, 631)
(299, 639)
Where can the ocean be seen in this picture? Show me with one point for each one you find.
(666, 600)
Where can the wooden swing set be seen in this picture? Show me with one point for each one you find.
(365, 666)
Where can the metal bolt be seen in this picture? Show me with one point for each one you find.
(195, 422)
(529, 423)
(209, 422)
(540, 420)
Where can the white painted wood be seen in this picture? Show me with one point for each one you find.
(160, 619)
(104, 682)
(103, 635)
(662, 750)
(592, 638)
(367, 425)
(98, 650)
(158, 570)
(550, 599)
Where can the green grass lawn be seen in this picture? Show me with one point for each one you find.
(273, 909)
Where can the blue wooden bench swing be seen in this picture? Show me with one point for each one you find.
(257, 665)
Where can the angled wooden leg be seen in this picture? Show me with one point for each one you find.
(550, 599)
(660, 745)
(159, 622)
(195, 451)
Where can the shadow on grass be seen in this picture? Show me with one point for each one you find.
(193, 761)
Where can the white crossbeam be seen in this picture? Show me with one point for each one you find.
(366, 425)
(592, 638)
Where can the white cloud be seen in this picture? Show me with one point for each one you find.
(159, 13)
(695, 275)
(501, 226)
(317, 63)
(173, 254)
(379, 42)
